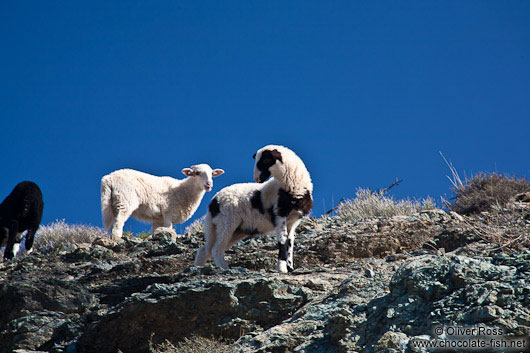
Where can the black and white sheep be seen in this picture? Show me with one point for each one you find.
(20, 211)
(162, 201)
(247, 209)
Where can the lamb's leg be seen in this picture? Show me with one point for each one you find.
(205, 252)
(11, 237)
(122, 216)
(283, 244)
(202, 256)
(161, 222)
(221, 244)
(236, 237)
(4, 232)
(292, 233)
(167, 222)
(16, 249)
(156, 225)
(30, 237)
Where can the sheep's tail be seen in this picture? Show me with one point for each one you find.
(107, 210)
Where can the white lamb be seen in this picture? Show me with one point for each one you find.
(247, 209)
(162, 201)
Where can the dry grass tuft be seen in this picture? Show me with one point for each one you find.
(197, 226)
(484, 191)
(505, 226)
(195, 344)
(59, 234)
(368, 204)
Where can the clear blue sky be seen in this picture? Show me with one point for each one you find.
(363, 91)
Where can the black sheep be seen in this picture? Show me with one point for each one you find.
(20, 211)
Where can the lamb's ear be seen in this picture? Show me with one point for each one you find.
(217, 172)
(277, 155)
(188, 172)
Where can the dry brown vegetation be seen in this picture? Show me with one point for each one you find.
(369, 204)
(505, 226)
(59, 235)
(491, 210)
(195, 344)
(484, 191)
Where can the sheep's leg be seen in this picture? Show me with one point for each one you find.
(3, 235)
(11, 237)
(167, 222)
(16, 249)
(205, 252)
(290, 241)
(30, 237)
(235, 238)
(221, 244)
(292, 233)
(202, 256)
(283, 244)
(161, 222)
(122, 216)
(156, 225)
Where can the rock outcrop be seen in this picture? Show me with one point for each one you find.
(372, 286)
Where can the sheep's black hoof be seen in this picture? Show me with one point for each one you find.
(290, 268)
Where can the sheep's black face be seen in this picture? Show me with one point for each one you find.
(264, 176)
(266, 160)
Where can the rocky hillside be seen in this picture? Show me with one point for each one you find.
(374, 285)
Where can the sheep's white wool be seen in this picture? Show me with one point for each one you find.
(291, 173)
(162, 201)
(235, 201)
(242, 210)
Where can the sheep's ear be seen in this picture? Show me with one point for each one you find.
(217, 172)
(188, 172)
(277, 155)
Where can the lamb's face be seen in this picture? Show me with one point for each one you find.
(268, 161)
(203, 175)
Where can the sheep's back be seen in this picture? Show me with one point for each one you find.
(129, 182)
(23, 204)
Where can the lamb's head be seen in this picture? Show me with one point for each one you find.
(202, 174)
(269, 161)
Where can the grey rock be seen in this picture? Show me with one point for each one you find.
(374, 285)
(224, 308)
